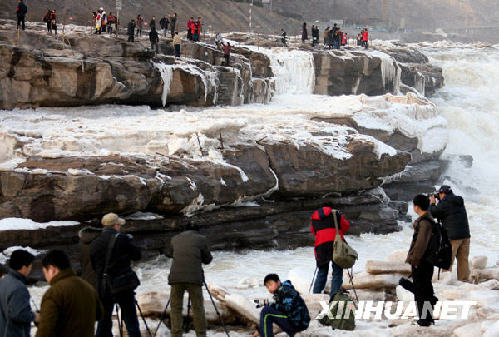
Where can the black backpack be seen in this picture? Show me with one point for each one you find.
(439, 251)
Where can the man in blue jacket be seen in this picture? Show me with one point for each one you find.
(288, 310)
(15, 310)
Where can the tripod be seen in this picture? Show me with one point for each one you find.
(186, 325)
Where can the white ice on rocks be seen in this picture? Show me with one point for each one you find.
(107, 130)
(166, 71)
(27, 224)
(208, 78)
(5, 255)
(293, 70)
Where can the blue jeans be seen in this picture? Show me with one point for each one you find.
(269, 316)
(126, 302)
(321, 279)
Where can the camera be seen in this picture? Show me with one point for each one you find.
(261, 303)
(436, 195)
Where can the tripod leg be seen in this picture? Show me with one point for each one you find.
(216, 309)
(162, 318)
(120, 321)
(143, 318)
(313, 279)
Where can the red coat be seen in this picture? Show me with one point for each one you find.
(365, 36)
(322, 226)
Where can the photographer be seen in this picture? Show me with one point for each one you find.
(451, 212)
(15, 311)
(288, 310)
(189, 251)
(111, 255)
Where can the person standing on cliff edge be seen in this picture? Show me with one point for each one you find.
(22, 9)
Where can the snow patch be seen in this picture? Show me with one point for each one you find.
(27, 224)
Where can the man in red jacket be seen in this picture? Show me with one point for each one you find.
(323, 228)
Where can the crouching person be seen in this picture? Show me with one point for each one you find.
(422, 270)
(71, 306)
(288, 310)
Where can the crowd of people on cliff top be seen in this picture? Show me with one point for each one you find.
(335, 37)
(72, 304)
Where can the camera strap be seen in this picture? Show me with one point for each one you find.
(108, 254)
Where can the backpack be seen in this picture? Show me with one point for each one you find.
(439, 252)
(340, 302)
(343, 255)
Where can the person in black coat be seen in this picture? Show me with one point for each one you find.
(154, 38)
(119, 268)
(22, 9)
(451, 212)
(304, 33)
(131, 31)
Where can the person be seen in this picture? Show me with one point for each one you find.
(111, 22)
(71, 306)
(198, 27)
(15, 309)
(189, 250)
(304, 33)
(227, 50)
(283, 37)
(365, 38)
(422, 270)
(336, 42)
(288, 309)
(152, 24)
(46, 18)
(53, 21)
(176, 44)
(140, 22)
(316, 35)
(98, 22)
(344, 40)
(131, 31)
(104, 21)
(323, 228)
(326, 37)
(189, 28)
(163, 24)
(173, 24)
(86, 236)
(193, 30)
(22, 9)
(154, 38)
(452, 212)
(359, 38)
(331, 39)
(340, 38)
(117, 266)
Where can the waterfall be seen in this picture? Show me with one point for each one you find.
(166, 71)
(469, 103)
(294, 70)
